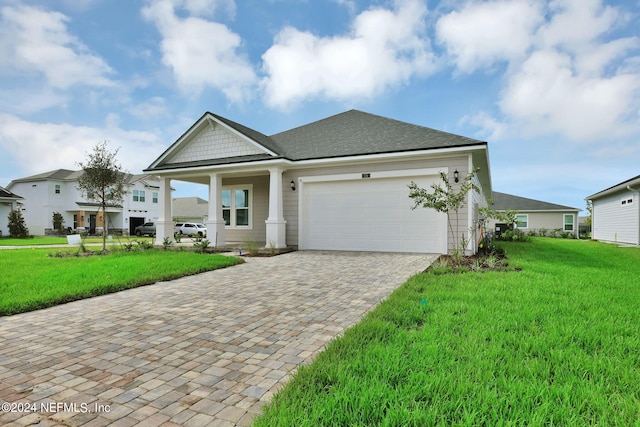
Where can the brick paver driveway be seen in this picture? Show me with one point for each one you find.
(208, 349)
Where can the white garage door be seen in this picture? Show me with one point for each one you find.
(369, 215)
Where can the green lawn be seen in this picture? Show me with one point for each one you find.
(31, 279)
(53, 240)
(556, 343)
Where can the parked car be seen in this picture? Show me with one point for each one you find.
(146, 228)
(190, 229)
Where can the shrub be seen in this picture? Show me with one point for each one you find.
(543, 232)
(144, 245)
(515, 235)
(17, 227)
(201, 245)
(58, 222)
(166, 243)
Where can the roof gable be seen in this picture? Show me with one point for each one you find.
(214, 138)
(503, 201)
(358, 133)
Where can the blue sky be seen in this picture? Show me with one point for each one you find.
(553, 86)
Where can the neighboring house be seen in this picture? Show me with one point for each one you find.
(616, 213)
(57, 191)
(535, 215)
(336, 184)
(190, 209)
(8, 202)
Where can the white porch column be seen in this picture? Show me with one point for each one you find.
(276, 225)
(164, 225)
(215, 220)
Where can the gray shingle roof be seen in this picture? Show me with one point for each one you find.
(632, 182)
(356, 133)
(69, 175)
(8, 194)
(58, 174)
(503, 201)
(351, 133)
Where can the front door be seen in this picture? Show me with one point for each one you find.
(92, 224)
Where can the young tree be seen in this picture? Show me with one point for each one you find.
(16, 225)
(446, 200)
(102, 180)
(58, 222)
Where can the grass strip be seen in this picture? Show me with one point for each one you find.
(554, 344)
(53, 240)
(32, 280)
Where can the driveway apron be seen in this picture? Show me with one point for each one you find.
(208, 349)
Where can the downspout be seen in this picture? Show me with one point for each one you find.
(638, 205)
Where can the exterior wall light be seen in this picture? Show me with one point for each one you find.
(456, 176)
(292, 185)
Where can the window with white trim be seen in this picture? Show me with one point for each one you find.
(236, 206)
(154, 197)
(138, 196)
(57, 189)
(568, 222)
(522, 221)
(627, 200)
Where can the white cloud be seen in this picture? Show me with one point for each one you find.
(37, 41)
(566, 75)
(201, 53)
(575, 24)
(63, 145)
(548, 94)
(153, 108)
(384, 48)
(481, 34)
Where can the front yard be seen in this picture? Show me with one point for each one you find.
(556, 343)
(56, 240)
(31, 279)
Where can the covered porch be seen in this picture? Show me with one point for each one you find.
(244, 205)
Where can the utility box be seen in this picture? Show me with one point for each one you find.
(501, 228)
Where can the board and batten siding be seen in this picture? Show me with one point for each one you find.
(616, 222)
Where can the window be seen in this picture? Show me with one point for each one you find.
(154, 197)
(568, 222)
(138, 195)
(236, 207)
(57, 189)
(522, 221)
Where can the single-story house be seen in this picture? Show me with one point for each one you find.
(536, 215)
(8, 203)
(615, 213)
(57, 191)
(339, 183)
(190, 209)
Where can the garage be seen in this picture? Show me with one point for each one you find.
(368, 212)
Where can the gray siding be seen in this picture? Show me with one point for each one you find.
(259, 210)
(547, 220)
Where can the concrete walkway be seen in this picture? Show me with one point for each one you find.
(209, 349)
